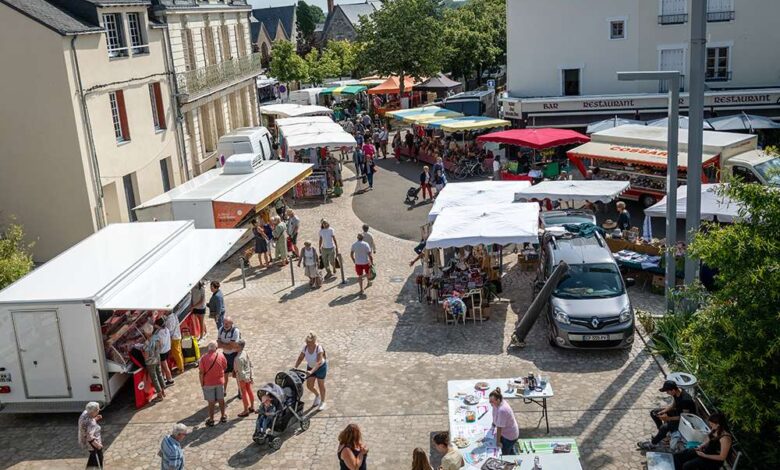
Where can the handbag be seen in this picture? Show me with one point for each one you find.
(336, 263)
(321, 263)
(364, 179)
(372, 273)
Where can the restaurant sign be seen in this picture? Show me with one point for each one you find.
(515, 107)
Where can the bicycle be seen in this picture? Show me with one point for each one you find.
(468, 167)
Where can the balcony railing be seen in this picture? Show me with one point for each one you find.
(679, 18)
(720, 16)
(717, 77)
(195, 82)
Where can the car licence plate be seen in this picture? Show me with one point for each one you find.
(5, 376)
(595, 337)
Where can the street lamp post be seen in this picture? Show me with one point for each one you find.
(673, 78)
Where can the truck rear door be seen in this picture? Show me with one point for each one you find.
(41, 356)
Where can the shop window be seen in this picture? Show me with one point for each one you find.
(158, 110)
(119, 115)
(138, 42)
(617, 29)
(571, 82)
(115, 35)
(717, 64)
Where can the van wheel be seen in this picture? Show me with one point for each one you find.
(647, 200)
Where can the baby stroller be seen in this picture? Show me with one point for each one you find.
(412, 194)
(286, 396)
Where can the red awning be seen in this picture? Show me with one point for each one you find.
(535, 138)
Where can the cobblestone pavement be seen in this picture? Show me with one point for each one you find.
(389, 366)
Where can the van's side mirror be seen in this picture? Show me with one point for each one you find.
(630, 282)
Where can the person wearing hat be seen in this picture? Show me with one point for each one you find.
(171, 453)
(667, 419)
(609, 224)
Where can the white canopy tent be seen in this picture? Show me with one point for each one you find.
(321, 139)
(292, 121)
(479, 193)
(286, 110)
(455, 227)
(593, 191)
(713, 205)
(310, 128)
(599, 126)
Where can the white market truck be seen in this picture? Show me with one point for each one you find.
(67, 327)
(638, 154)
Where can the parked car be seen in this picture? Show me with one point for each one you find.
(589, 308)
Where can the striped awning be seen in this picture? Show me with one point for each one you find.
(467, 123)
(423, 114)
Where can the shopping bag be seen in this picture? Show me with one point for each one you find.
(364, 179)
(322, 263)
(337, 263)
(372, 273)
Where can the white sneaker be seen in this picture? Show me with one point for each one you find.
(316, 401)
(322, 407)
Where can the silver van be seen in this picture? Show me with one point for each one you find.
(589, 308)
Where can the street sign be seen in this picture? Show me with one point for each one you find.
(491, 83)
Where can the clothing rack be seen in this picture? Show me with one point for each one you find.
(315, 185)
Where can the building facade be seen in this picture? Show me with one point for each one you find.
(88, 117)
(563, 57)
(215, 70)
(342, 20)
(271, 24)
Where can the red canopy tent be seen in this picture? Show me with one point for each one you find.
(537, 139)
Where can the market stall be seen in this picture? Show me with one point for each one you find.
(345, 99)
(422, 114)
(227, 197)
(74, 322)
(439, 84)
(535, 157)
(471, 419)
(477, 193)
(391, 88)
(500, 224)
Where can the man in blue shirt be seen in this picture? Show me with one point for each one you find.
(217, 304)
(171, 453)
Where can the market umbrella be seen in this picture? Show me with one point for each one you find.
(467, 123)
(438, 83)
(422, 114)
(610, 123)
(743, 122)
(538, 139)
(392, 86)
(664, 122)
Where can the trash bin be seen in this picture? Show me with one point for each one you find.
(685, 381)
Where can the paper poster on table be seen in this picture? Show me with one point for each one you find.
(229, 214)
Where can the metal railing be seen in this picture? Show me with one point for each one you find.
(678, 18)
(720, 16)
(218, 75)
(717, 77)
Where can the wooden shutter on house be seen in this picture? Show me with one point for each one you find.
(120, 102)
(160, 109)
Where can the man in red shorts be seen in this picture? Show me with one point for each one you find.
(361, 256)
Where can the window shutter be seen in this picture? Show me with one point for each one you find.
(120, 101)
(160, 109)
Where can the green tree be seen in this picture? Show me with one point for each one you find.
(305, 20)
(15, 257)
(404, 38)
(475, 37)
(733, 339)
(321, 66)
(286, 65)
(345, 53)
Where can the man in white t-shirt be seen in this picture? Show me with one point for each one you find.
(361, 256)
(329, 247)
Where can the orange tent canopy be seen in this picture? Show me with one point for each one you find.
(392, 85)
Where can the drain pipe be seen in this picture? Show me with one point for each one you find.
(100, 217)
(174, 92)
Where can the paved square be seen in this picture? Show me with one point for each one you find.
(389, 366)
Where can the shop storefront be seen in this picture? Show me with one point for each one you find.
(579, 111)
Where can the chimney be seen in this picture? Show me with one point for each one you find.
(330, 6)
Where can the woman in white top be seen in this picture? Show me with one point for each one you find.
(316, 367)
(199, 307)
(310, 262)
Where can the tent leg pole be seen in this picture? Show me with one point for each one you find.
(243, 271)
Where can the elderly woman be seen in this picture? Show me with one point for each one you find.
(152, 350)
(316, 368)
(89, 434)
(279, 234)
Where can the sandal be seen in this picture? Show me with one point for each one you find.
(223, 419)
(209, 422)
(243, 414)
(251, 410)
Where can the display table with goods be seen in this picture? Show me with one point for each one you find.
(471, 419)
